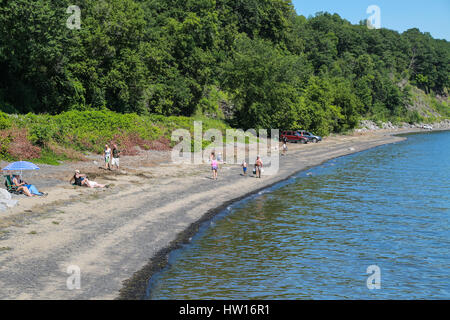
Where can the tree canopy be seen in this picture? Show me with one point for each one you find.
(272, 67)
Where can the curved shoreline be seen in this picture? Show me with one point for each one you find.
(136, 287)
(121, 236)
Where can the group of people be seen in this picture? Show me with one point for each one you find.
(258, 167)
(257, 170)
(111, 157)
(30, 190)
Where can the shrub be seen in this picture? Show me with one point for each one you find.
(5, 140)
(413, 117)
(15, 145)
(42, 134)
(66, 135)
(5, 121)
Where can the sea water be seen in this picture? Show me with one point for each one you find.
(373, 225)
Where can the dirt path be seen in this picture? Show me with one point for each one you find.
(111, 234)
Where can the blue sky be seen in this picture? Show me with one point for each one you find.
(431, 16)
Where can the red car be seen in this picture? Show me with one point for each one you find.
(293, 136)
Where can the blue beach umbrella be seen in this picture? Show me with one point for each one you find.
(21, 166)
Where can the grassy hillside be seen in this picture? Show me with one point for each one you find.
(47, 139)
(430, 108)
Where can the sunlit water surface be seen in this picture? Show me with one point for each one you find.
(314, 236)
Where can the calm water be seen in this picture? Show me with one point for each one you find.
(314, 236)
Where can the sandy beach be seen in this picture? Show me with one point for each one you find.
(118, 236)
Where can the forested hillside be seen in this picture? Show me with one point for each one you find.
(256, 62)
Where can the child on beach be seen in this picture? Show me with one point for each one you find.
(244, 167)
(214, 167)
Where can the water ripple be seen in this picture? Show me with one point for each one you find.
(315, 237)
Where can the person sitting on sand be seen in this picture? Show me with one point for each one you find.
(81, 180)
(28, 189)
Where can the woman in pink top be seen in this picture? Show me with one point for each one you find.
(214, 167)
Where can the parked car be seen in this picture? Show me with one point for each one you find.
(427, 127)
(293, 136)
(311, 137)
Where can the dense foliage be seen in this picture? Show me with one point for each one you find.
(68, 135)
(257, 60)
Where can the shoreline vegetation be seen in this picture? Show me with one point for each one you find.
(74, 135)
(78, 135)
(152, 208)
(157, 62)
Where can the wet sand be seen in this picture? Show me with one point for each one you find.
(119, 236)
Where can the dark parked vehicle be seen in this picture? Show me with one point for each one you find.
(293, 136)
(311, 137)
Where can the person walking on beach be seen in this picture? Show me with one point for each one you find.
(244, 167)
(115, 157)
(214, 167)
(285, 148)
(258, 167)
(107, 157)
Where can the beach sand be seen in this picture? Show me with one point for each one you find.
(112, 234)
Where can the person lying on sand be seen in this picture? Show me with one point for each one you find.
(81, 180)
(28, 189)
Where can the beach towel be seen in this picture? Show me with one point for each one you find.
(34, 190)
